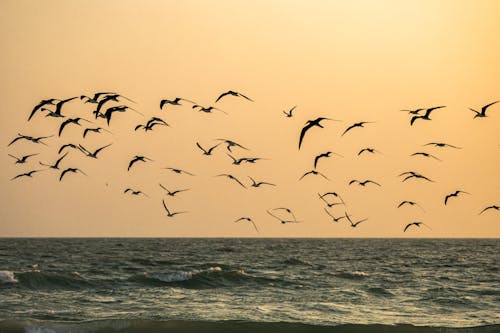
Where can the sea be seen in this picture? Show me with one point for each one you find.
(249, 285)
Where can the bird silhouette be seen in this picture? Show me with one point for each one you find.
(172, 193)
(95, 99)
(417, 224)
(441, 145)
(413, 174)
(333, 194)
(248, 220)
(137, 158)
(258, 184)
(421, 153)
(414, 112)
(55, 166)
(328, 203)
(426, 116)
(482, 113)
(92, 154)
(360, 124)
(26, 174)
(68, 121)
(207, 109)
(230, 144)
(179, 171)
(30, 138)
(289, 113)
(151, 123)
(42, 103)
(208, 151)
(169, 213)
(310, 124)
(495, 207)
(120, 108)
(363, 183)
(72, 170)
(135, 192)
(23, 159)
(283, 221)
(94, 130)
(411, 203)
(370, 150)
(232, 93)
(68, 145)
(313, 172)
(232, 178)
(335, 219)
(175, 101)
(323, 155)
(454, 194)
(354, 224)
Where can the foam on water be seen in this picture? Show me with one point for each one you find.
(7, 277)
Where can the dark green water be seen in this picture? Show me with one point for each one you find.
(289, 285)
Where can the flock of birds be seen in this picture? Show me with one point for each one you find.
(109, 104)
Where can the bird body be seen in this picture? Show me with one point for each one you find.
(482, 113)
(426, 116)
(454, 194)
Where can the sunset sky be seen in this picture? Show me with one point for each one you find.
(347, 60)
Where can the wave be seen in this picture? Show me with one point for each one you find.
(206, 278)
(41, 280)
(356, 275)
(136, 326)
(7, 277)
(296, 262)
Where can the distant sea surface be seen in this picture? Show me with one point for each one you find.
(250, 285)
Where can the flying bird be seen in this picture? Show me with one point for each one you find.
(26, 174)
(258, 184)
(121, 108)
(55, 166)
(207, 109)
(231, 177)
(172, 193)
(95, 130)
(309, 124)
(92, 154)
(454, 194)
(68, 121)
(232, 93)
(29, 138)
(23, 159)
(283, 221)
(411, 203)
(353, 224)
(68, 145)
(208, 151)
(323, 155)
(179, 171)
(134, 192)
(73, 170)
(169, 213)
(426, 115)
(417, 224)
(314, 172)
(230, 143)
(482, 113)
(360, 124)
(415, 111)
(335, 219)
(363, 183)
(328, 203)
(137, 158)
(495, 207)
(421, 153)
(248, 220)
(95, 98)
(175, 101)
(412, 174)
(441, 145)
(151, 123)
(42, 103)
(289, 113)
(370, 150)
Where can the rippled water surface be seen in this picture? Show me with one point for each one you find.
(432, 283)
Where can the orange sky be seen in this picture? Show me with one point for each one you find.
(352, 61)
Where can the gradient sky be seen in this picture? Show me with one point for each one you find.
(348, 60)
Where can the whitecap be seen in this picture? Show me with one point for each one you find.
(7, 277)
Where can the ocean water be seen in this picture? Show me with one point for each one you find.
(249, 285)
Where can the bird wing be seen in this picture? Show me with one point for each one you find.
(349, 128)
(63, 173)
(165, 206)
(429, 110)
(447, 197)
(236, 179)
(221, 95)
(64, 123)
(56, 165)
(322, 175)
(483, 109)
(132, 163)
(239, 94)
(36, 108)
(99, 149)
(303, 132)
(305, 174)
(203, 149)
(371, 181)
(15, 139)
(353, 181)
(413, 119)
(407, 226)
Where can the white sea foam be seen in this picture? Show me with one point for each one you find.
(359, 273)
(182, 275)
(7, 277)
